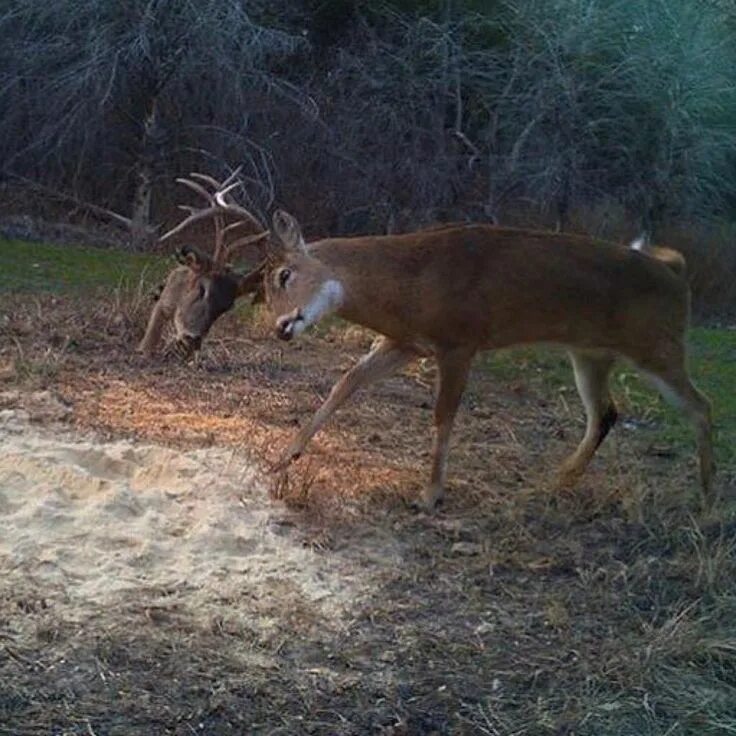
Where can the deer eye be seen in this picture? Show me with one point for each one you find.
(284, 276)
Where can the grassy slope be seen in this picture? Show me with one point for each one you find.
(33, 267)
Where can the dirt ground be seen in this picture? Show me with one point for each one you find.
(155, 578)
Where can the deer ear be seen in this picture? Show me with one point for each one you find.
(192, 257)
(288, 231)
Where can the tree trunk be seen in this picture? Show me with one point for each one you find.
(141, 229)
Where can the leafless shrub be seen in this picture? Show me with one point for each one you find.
(368, 117)
(102, 101)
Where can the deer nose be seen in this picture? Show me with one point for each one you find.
(285, 328)
(286, 324)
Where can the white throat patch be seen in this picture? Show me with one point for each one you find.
(328, 298)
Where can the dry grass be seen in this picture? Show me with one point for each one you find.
(608, 609)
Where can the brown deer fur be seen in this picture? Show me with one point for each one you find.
(454, 291)
(192, 298)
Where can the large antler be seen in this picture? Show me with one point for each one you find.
(219, 204)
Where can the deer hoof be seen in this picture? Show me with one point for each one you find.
(281, 465)
(425, 506)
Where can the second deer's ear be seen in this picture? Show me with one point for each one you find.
(288, 231)
(192, 257)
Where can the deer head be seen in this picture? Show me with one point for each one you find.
(298, 288)
(204, 287)
(198, 293)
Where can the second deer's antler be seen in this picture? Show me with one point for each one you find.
(218, 205)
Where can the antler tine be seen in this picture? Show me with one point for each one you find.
(239, 211)
(235, 225)
(219, 206)
(198, 188)
(196, 216)
(222, 189)
(226, 189)
(220, 253)
(214, 183)
(236, 209)
(233, 176)
(207, 179)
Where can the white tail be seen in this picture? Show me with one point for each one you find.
(640, 243)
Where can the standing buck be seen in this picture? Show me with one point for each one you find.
(196, 293)
(454, 290)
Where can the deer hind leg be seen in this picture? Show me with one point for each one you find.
(386, 357)
(673, 382)
(454, 367)
(155, 326)
(591, 378)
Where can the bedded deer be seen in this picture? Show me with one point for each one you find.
(203, 287)
(455, 290)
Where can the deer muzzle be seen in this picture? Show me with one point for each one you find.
(289, 325)
(183, 347)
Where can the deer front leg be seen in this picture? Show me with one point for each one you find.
(153, 330)
(385, 358)
(454, 367)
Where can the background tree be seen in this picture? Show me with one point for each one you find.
(99, 98)
(371, 116)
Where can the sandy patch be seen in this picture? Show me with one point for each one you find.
(115, 524)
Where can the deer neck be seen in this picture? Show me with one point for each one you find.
(367, 297)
